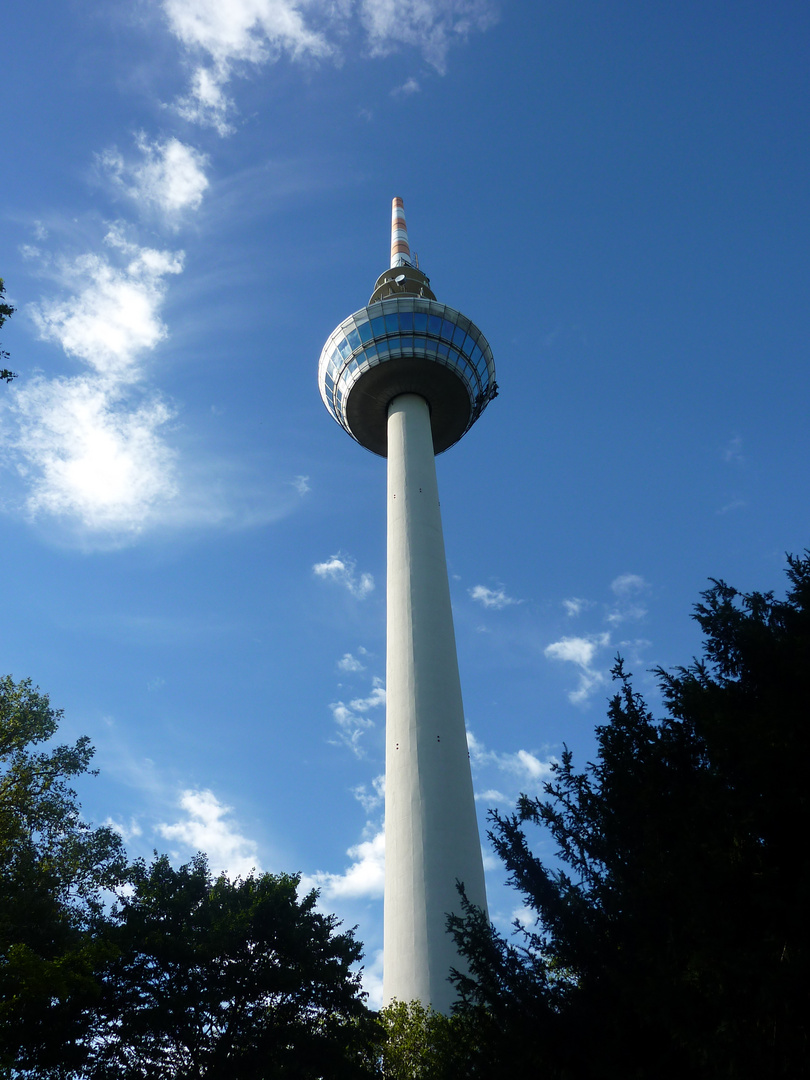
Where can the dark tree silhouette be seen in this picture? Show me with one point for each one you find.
(6, 311)
(673, 939)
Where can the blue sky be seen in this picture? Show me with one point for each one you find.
(195, 194)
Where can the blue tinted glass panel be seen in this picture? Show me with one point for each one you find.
(371, 351)
(434, 325)
(468, 345)
(382, 346)
(458, 336)
(391, 323)
(354, 339)
(406, 343)
(477, 356)
(443, 350)
(378, 326)
(330, 386)
(447, 330)
(343, 348)
(420, 321)
(406, 320)
(364, 330)
(353, 366)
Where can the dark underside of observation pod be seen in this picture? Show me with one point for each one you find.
(406, 344)
(447, 397)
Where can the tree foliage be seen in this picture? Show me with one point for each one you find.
(6, 311)
(182, 975)
(54, 870)
(418, 1043)
(672, 936)
(215, 978)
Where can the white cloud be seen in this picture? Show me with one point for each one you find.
(371, 800)
(206, 102)
(429, 25)
(228, 38)
(352, 720)
(410, 86)
(127, 832)
(112, 314)
(575, 606)
(350, 663)
(301, 485)
(343, 570)
(628, 584)
(492, 795)
(580, 651)
(88, 454)
(208, 827)
(627, 587)
(170, 176)
(623, 614)
(365, 878)
(90, 447)
(521, 764)
(491, 598)
(231, 35)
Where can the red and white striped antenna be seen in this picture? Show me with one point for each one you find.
(400, 248)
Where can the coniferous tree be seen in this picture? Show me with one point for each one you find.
(672, 937)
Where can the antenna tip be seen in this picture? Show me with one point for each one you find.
(400, 249)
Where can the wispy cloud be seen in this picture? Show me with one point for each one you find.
(371, 801)
(342, 569)
(352, 719)
(90, 447)
(208, 825)
(733, 451)
(627, 588)
(576, 605)
(226, 40)
(229, 36)
(410, 86)
(492, 598)
(350, 663)
(582, 652)
(169, 176)
(301, 485)
(432, 27)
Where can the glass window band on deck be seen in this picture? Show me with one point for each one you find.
(400, 327)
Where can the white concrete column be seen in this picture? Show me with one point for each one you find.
(431, 832)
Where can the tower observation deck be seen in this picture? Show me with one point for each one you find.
(406, 377)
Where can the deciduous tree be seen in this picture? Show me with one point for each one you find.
(215, 978)
(54, 872)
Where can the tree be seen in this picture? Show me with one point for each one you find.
(215, 978)
(6, 311)
(418, 1043)
(54, 872)
(673, 937)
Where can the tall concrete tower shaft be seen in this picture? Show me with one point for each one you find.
(407, 376)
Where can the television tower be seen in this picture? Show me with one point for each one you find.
(407, 377)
